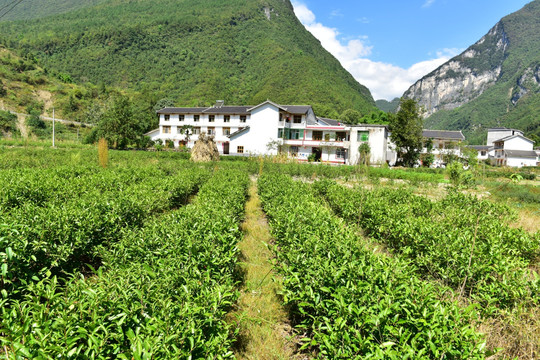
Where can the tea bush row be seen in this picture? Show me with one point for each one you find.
(163, 291)
(43, 234)
(460, 240)
(353, 303)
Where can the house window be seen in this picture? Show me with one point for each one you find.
(195, 117)
(363, 136)
(227, 118)
(296, 134)
(196, 130)
(179, 130)
(280, 117)
(317, 135)
(226, 131)
(280, 133)
(297, 119)
(180, 117)
(167, 117)
(243, 118)
(211, 118)
(240, 149)
(340, 153)
(482, 153)
(294, 151)
(341, 136)
(212, 131)
(166, 129)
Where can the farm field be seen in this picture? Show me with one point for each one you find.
(146, 258)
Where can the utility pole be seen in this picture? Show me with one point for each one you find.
(53, 126)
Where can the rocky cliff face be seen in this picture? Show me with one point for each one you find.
(465, 77)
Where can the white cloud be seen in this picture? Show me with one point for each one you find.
(303, 14)
(385, 81)
(428, 3)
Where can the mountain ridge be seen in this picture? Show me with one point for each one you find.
(495, 82)
(195, 52)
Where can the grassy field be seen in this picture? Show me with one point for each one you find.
(154, 256)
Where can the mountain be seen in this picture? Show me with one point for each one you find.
(387, 106)
(495, 82)
(192, 51)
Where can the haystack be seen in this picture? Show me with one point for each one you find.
(205, 149)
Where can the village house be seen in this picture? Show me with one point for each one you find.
(507, 147)
(268, 128)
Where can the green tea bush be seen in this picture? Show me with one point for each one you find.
(461, 241)
(163, 291)
(350, 302)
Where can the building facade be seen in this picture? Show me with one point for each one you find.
(269, 128)
(514, 151)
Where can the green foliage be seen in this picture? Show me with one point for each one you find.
(364, 150)
(460, 177)
(194, 52)
(388, 106)
(165, 285)
(8, 122)
(3, 91)
(349, 301)
(460, 241)
(350, 116)
(120, 125)
(163, 103)
(406, 128)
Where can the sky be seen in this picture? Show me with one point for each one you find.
(387, 45)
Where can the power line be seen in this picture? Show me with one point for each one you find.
(14, 3)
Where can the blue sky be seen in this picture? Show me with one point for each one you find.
(389, 44)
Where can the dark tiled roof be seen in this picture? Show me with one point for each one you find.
(296, 109)
(503, 129)
(330, 122)
(238, 132)
(443, 134)
(521, 153)
(185, 110)
(480, 147)
(511, 137)
(241, 110)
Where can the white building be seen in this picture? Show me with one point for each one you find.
(499, 133)
(445, 143)
(268, 128)
(515, 151)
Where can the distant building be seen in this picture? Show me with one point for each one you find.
(268, 127)
(507, 147)
(445, 142)
(515, 151)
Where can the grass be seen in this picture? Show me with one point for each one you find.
(264, 331)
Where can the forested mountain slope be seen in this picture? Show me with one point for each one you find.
(193, 51)
(495, 82)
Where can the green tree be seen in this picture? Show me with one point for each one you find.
(364, 150)
(428, 158)
(3, 91)
(8, 121)
(119, 126)
(351, 116)
(406, 132)
(163, 103)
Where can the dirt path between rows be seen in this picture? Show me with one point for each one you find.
(264, 329)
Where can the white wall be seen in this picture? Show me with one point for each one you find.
(377, 140)
(518, 143)
(263, 129)
(520, 162)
